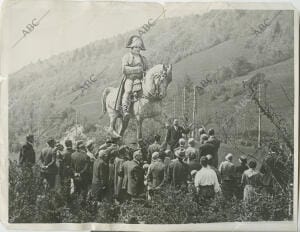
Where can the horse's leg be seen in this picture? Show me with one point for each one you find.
(124, 126)
(139, 122)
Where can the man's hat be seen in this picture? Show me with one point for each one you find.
(180, 153)
(228, 156)
(29, 136)
(135, 41)
(51, 140)
(155, 155)
(243, 159)
(80, 144)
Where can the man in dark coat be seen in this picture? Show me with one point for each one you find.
(207, 148)
(174, 133)
(135, 184)
(100, 183)
(66, 167)
(154, 147)
(178, 171)
(27, 153)
(80, 164)
(48, 163)
(216, 142)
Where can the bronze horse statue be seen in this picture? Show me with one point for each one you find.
(148, 105)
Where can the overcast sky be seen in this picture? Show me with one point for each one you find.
(69, 25)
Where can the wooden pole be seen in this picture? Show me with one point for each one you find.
(174, 107)
(184, 101)
(194, 112)
(76, 124)
(259, 119)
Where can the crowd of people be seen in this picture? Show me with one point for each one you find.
(118, 172)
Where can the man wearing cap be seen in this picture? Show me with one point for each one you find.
(207, 148)
(174, 133)
(135, 175)
(206, 181)
(48, 163)
(228, 176)
(156, 174)
(80, 165)
(134, 66)
(27, 153)
(100, 182)
(239, 172)
(178, 171)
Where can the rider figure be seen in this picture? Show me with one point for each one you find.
(134, 66)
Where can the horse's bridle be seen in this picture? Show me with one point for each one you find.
(156, 82)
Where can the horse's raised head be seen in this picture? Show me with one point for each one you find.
(157, 80)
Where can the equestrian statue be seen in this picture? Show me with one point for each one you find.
(140, 93)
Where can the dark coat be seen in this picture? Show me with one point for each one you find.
(178, 173)
(80, 163)
(66, 162)
(156, 174)
(194, 165)
(48, 158)
(216, 143)
(135, 184)
(101, 173)
(173, 136)
(27, 155)
(208, 148)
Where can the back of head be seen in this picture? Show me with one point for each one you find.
(68, 143)
(201, 131)
(136, 154)
(203, 161)
(252, 164)
(211, 132)
(155, 155)
(229, 157)
(181, 142)
(51, 142)
(157, 138)
(191, 142)
(204, 137)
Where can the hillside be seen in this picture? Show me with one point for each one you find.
(215, 45)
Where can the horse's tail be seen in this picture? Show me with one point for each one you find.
(106, 91)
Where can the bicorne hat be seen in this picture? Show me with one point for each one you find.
(135, 41)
